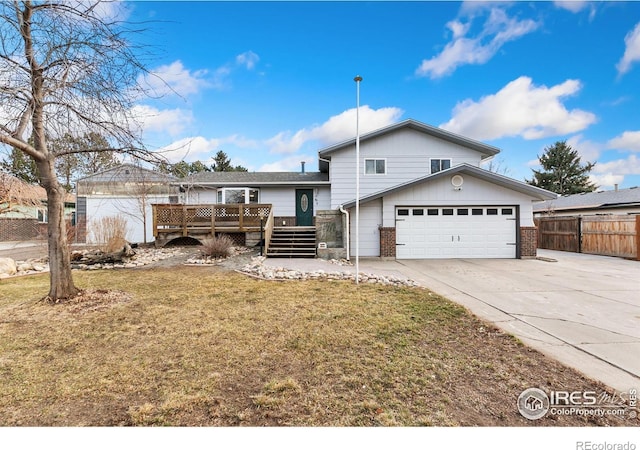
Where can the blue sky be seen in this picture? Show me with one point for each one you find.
(272, 83)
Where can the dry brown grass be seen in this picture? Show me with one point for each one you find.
(202, 347)
(217, 247)
(110, 233)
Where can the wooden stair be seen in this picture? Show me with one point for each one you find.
(292, 242)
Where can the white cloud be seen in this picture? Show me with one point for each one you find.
(189, 149)
(338, 128)
(498, 29)
(606, 180)
(631, 52)
(172, 121)
(520, 109)
(288, 164)
(248, 60)
(589, 151)
(174, 78)
(572, 5)
(628, 166)
(199, 148)
(629, 140)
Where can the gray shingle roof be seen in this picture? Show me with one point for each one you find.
(592, 200)
(256, 178)
(125, 172)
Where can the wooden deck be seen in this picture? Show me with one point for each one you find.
(202, 221)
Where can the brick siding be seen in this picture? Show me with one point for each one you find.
(387, 242)
(20, 229)
(528, 242)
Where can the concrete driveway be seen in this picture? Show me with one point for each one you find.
(582, 310)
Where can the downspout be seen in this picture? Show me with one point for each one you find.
(346, 213)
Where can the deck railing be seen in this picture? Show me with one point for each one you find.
(205, 219)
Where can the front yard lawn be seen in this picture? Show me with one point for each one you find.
(198, 346)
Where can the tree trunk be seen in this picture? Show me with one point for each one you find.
(61, 286)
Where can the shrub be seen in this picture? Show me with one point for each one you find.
(218, 247)
(110, 233)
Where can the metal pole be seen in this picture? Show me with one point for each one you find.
(357, 79)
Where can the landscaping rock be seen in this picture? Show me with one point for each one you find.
(256, 268)
(8, 266)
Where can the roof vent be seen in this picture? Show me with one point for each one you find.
(457, 181)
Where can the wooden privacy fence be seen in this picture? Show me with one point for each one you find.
(597, 235)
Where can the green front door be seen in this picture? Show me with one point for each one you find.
(304, 207)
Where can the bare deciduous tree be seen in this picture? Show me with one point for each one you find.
(65, 67)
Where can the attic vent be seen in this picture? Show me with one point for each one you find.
(173, 199)
(126, 172)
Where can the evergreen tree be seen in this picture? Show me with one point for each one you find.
(562, 171)
(20, 166)
(222, 163)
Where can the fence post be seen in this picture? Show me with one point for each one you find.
(638, 237)
(579, 226)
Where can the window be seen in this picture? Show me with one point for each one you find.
(238, 195)
(234, 195)
(403, 212)
(418, 212)
(447, 212)
(42, 216)
(432, 212)
(492, 211)
(463, 212)
(507, 211)
(375, 166)
(476, 211)
(440, 164)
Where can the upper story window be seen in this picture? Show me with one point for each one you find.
(440, 164)
(238, 195)
(375, 166)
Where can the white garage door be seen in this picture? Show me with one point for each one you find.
(456, 232)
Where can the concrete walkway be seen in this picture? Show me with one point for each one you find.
(582, 310)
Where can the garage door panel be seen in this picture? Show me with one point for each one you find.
(456, 232)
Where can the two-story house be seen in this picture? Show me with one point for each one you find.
(422, 195)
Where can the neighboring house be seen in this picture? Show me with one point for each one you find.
(23, 209)
(422, 195)
(125, 191)
(618, 201)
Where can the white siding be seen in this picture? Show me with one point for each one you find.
(474, 192)
(283, 199)
(322, 198)
(407, 153)
(129, 209)
(369, 237)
